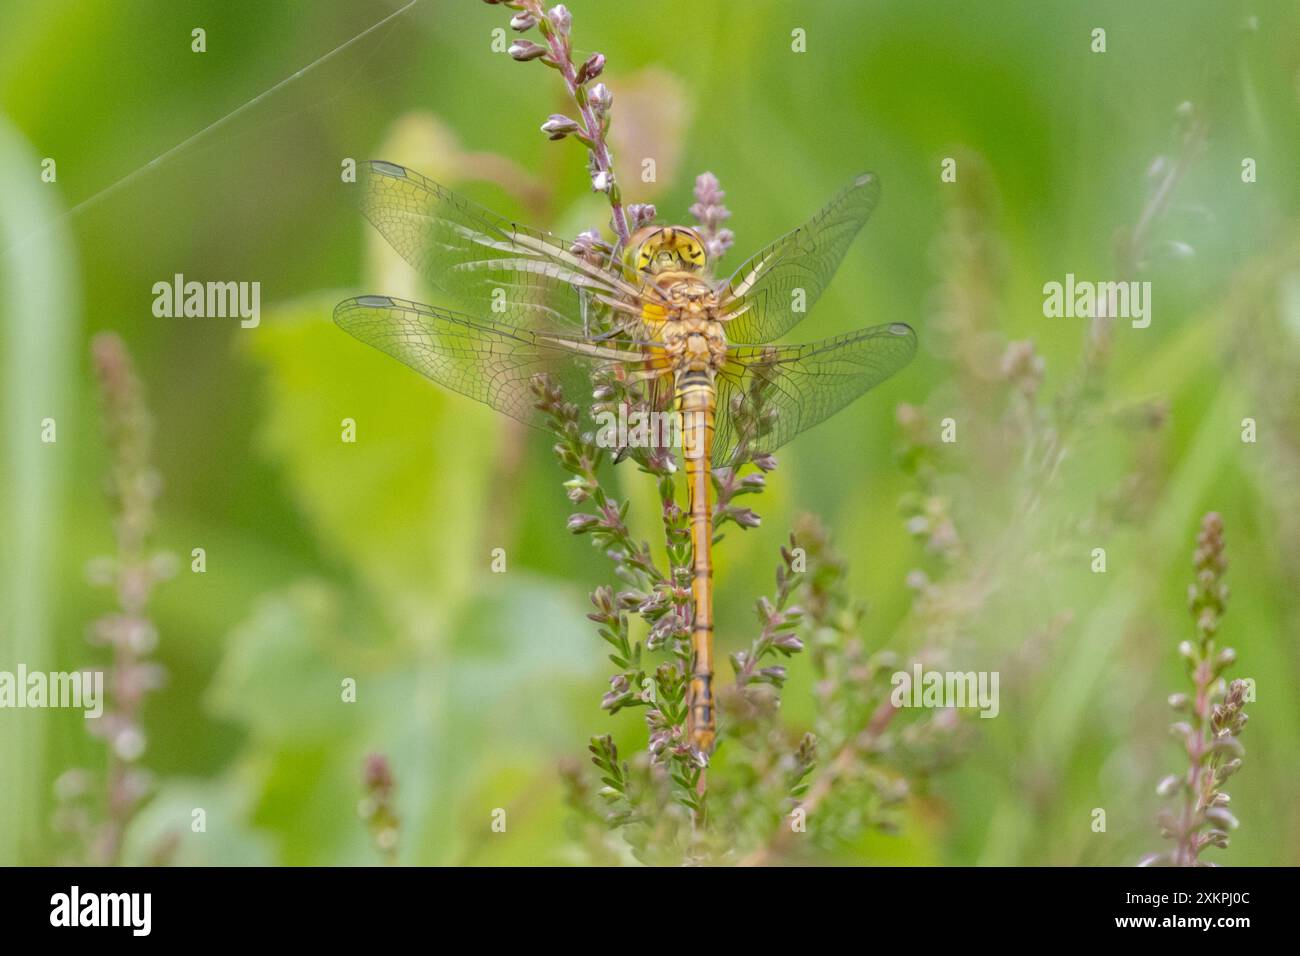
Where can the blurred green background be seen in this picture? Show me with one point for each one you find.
(371, 559)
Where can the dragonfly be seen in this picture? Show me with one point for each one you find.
(650, 313)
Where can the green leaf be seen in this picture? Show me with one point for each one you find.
(449, 703)
(405, 503)
(283, 671)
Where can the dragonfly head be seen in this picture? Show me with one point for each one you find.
(656, 249)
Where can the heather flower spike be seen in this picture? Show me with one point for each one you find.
(377, 807)
(1215, 717)
(710, 213)
(127, 631)
(592, 101)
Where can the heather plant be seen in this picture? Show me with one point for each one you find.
(997, 465)
(95, 810)
(668, 803)
(591, 99)
(768, 788)
(377, 806)
(1213, 717)
(1027, 451)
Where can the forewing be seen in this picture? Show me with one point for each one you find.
(486, 361)
(769, 394)
(773, 291)
(492, 266)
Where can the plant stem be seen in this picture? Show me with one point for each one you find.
(593, 126)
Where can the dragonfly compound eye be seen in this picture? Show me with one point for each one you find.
(674, 249)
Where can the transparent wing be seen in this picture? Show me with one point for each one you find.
(760, 303)
(490, 265)
(489, 362)
(769, 394)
